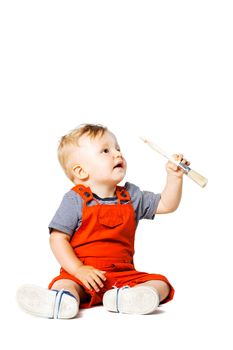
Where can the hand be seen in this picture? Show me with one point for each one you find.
(173, 169)
(91, 277)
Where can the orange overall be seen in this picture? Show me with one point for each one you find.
(105, 240)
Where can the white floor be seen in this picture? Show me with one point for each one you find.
(179, 325)
(159, 69)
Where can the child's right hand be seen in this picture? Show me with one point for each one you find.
(91, 277)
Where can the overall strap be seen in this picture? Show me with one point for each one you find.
(87, 196)
(122, 194)
(84, 192)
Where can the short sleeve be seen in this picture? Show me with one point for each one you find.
(68, 216)
(145, 203)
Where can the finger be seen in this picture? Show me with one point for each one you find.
(101, 274)
(93, 284)
(98, 281)
(185, 161)
(96, 278)
(178, 156)
(87, 285)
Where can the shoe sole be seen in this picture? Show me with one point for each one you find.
(41, 302)
(137, 300)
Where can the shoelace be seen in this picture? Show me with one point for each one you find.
(118, 295)
(58, 300)
(57, 303)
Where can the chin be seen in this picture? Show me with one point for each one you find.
(120, 179)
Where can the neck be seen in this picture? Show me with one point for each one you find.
(103, 191)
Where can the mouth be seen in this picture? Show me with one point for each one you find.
(119, 165)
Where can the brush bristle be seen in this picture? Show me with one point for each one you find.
(199, 179)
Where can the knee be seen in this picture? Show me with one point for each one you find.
(165, 287)
(62, 284)
(164, 290)
(162, 287)
(72, 287)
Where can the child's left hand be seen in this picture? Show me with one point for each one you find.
(173, 169)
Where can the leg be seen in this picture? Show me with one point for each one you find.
(71, 286)
(136, 300)
(160, 286)
(60, 302)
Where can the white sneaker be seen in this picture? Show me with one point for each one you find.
(140, 300)
(47, 303)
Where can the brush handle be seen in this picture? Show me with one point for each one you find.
(192, 174)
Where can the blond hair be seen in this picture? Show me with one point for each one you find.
(68, 142)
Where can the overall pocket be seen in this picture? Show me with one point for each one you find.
(110, 215)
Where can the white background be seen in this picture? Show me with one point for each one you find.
(162, 69)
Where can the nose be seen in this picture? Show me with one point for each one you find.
(118, 153)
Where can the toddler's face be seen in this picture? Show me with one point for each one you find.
(102, 159)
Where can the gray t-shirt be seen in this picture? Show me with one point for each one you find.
(68, 217)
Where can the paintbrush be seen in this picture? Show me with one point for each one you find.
(192, 174)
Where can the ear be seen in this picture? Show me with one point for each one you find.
(79, 172)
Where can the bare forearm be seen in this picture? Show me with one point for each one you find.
(64, 253)
(171, 195)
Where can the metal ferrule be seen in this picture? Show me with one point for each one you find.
(184, 167)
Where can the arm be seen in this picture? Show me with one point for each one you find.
(61, 248)
(171, 195)
(64, 253)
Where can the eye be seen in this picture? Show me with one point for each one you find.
(105, 150)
